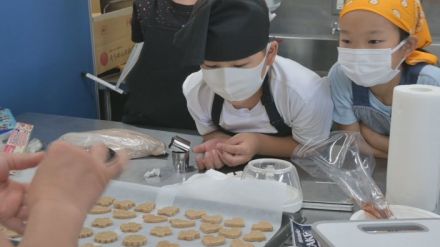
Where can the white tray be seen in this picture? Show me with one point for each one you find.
(141, 193)
(379, 233)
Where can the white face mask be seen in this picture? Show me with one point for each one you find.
(236, 84)
(369, 67)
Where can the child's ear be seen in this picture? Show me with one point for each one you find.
(273, 51)
(411, 45)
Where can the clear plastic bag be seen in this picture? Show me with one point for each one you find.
(346, 159)
(135, 143)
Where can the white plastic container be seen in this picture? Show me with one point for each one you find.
(399, 211)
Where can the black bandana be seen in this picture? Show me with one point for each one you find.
(224, 30)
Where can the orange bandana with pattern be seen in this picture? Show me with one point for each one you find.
(407, 15)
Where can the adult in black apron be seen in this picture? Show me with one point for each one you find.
(155, 95)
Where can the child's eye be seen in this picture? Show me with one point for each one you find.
(374, 41)
(239, 66)
(204, 66)
(345, 41)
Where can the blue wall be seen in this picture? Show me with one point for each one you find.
(44, 47)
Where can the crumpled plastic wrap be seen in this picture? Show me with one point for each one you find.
(137, 144)
(346, 159)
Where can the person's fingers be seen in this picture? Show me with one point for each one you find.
(231, 149)
(99, 152)
(23, 214)
(199, 148)
(216, 159)
(15, 224)
(208, 161)
(231, 160)
(115, 166)
(200, 163)
(22, 161)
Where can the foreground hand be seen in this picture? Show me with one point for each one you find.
(71, 176)
(239, 149)
(209, 156)
(13, 210)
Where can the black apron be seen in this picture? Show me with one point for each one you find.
(275, 119)
(269, 104)
(155, 96)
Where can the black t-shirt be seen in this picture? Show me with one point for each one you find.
(165, 13)
(155, 83)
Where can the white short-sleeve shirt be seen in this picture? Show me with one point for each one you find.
(302, 98)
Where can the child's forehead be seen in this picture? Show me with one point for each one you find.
(366, 22)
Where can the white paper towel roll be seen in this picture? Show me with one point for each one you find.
(413, 175)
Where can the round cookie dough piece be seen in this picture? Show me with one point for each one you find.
(151, 218)
(213, 219)
(208, 228)
(193, 214)
(123, 214)
(210, 240)
(165, 243)
(168, 211)
(231, 233)
(102, 222)
(134, 240)
(106, 237)
(240, 243)
(254, 236)
(189, 235)
(100, 210)
(161, 231)
(130, 227)
(105, 201)
(179, 223)
(124, 204)
(264, 226)
(146, 207)
(85, 232)
(235, 222)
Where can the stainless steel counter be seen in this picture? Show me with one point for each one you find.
(50, 127)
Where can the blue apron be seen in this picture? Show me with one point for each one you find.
(371, 117)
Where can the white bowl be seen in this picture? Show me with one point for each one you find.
(399, 211)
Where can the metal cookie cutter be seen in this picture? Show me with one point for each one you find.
(180, 157)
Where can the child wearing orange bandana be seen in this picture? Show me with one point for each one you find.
(380, 46)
